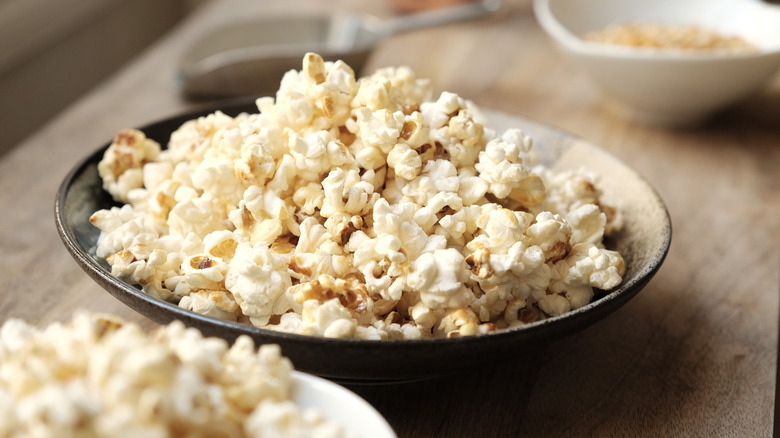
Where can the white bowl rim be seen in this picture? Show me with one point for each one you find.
(339, 404)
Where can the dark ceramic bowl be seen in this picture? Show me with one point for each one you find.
(643, 242)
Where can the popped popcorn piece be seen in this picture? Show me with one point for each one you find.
(351, 294)
(505, 165)
(320, 251)
(121, 166)
(285, 419)
(262, 216)
(329, 319)
(194, 138)
(384, 260)
(552, 234)
(405, 161)
(195, 214)
(151, 270)
(455, 128)
(99, 376)
(587, 266)
(218, 304)
(346, 192)
(438, 276)
(505, 260)
(259, 281)
(588, 224)
(392, 88)
(568, 190)
(359, 208)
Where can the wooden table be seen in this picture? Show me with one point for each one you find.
(694, 354)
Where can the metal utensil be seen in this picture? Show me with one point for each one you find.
(250, 58)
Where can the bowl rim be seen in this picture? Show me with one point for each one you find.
(568, 39)
(549, 328)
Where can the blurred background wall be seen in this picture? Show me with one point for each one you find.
(53, 51)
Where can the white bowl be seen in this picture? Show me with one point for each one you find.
(340, 405)
(662, 86)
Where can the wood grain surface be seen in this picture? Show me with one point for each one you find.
(694, 354)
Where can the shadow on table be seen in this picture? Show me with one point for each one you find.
(759, 113)
(496, 395)
(647, 370)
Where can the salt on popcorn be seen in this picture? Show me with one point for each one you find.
(99, 376)
(356, 208)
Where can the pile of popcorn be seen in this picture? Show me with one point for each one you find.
(97, 376)
(354, 208)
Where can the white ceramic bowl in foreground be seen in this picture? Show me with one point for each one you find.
(340, 405)
(662, 86)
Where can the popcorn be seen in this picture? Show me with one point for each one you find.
(194, 214)
(503, 164)
(345, 192)
(217, 304)
(453, 126)
(392, 88)
(329, 319)
(262, 216)
(551, 234)
(405, 161)
(358, 208)
(99, 376)
(438, 276)
(194, 138)
(258, 279)
(121, 165)
(587, 266)
(571, 189)
(588, 224)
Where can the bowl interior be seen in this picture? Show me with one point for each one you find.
(643, 242)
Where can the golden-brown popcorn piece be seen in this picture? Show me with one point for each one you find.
(572, 189)
(350, 293)
(121, 165)
(454, 129)
(218, 304)
(529, 192)
(263, 216)
(460, 322)
(552, 234)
